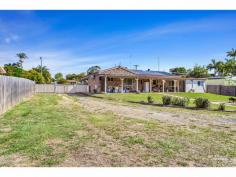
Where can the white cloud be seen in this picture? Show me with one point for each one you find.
(11, 38)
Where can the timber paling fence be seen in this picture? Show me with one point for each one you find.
(61, 88)
(13, 90)
(222, 90)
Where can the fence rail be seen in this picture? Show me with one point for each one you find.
(222, 90)
(13, 90)
(60, 88)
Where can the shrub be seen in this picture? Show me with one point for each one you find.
(221, 107)
(166, 100)
(179, 101)
(150, 99)
(202, 102)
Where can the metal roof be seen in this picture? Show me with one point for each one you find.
(150, 72)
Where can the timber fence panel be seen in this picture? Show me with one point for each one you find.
(61, 88)
(13, 90)
(222, 90)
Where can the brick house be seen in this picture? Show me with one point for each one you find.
(121, 79)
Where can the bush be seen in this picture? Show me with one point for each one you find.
(202, 102)
(179, 101)
(150, 99)
(166, 100)
(221, 107)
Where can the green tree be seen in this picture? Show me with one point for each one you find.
(58, 76)
(71, 76)
(232, 53)
(45, 72)
(13, 70)
(62, 81)
(93, 69)
(79, 76)
(22, 56)
(35, 76)
(220, 68)
(217, 66)
(76, 77)
(230, 67)
(198, 72)
(178, 71)
(213, 66)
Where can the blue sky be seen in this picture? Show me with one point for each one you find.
(71, 41)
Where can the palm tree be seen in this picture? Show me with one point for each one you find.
(232, 53)
(22, 56)
(220, 68)
(213, 66)
(230, 66)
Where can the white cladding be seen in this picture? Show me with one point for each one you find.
(198, 86)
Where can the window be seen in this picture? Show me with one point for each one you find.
(100, 78)
(154, 82)
(199, 83)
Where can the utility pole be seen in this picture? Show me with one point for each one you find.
(41, 60)
(136, 67)
(158, 63)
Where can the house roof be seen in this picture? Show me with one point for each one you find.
(2, 70)
(132, 72)
(114, 68)
(152, 73)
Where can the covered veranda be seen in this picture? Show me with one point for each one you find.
(114, 84)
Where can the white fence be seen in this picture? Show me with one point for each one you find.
(60, 88)
(13, 90)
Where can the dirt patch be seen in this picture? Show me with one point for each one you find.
(15, 160)
(54, 142)
(5, 129)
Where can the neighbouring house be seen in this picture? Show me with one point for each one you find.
(2, 70)
(195, 85)
(226, 80)
(222, 85)
(121, 79)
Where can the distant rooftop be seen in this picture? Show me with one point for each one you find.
(2, 70)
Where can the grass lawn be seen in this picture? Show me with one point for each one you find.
(55, 130)
(157, 97)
